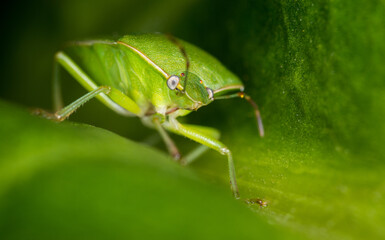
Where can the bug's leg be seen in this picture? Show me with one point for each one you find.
(68, 110)
(172, 148)
(64, 113)
(116, 100)
(56, 88)
(203, 138)
(194, 154)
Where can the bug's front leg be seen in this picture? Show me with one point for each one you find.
(202, 137)
(194, 154)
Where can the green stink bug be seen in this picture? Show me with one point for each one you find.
(156, 78)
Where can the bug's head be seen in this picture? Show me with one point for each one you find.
(190, 85)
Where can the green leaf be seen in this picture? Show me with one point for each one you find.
(74, 181)
(316, 69)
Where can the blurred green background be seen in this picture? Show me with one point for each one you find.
(316, 68)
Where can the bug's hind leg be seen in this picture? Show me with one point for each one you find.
(64, 113)
(68, 110)
(56, 88)
(172, 148)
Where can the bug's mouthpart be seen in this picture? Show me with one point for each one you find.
(252, 103)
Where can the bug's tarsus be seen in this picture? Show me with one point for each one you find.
(183, 51)
(45, 114)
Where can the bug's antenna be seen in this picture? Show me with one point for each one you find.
(183, 51)
(253, 104)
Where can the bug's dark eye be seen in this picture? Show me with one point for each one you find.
(211, 93)
(172, 82)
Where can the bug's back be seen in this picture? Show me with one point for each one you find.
(139, 66)
(115, 65)
(167, 55)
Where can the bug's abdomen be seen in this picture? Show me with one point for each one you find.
(119, 67)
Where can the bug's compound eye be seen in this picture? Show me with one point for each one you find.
(172, 82)
(211, 93)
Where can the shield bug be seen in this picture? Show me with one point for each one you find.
(157, 78)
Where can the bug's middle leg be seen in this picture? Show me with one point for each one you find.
(172, 148)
